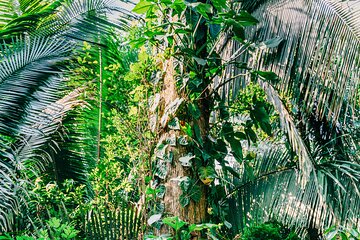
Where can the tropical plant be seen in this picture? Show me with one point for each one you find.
(289, 65)
(208, 78)
(39, 39)
(312, 86)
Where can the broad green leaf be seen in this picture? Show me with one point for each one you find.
(175, 222)
(251, 134)
(260, 115)
(194, 110)
(201, 8)
(227, 130)
(206, 174)
(245, 19)
(219, 4)
(267, 75)
(142, 7)
(237, 28)
(195, 193)
(236, 149)
(198, 134)
(179, 6)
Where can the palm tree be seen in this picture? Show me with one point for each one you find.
(39, 38)
(313, 47)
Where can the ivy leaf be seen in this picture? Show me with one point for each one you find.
(170, 110)
(154, 218)
(194, 110)
(207, 174)
(171, 140)
(183, 140)
(160, 191)
(160, 169)
(198, 134)
(174, 124)
(154, 102)
(175, 222)
(160, 150)
(184, 183)
(185, 160)
(184, 200)
(169, 157)
(142, 7)
(195, 192)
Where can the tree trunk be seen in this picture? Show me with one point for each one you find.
(195, 212)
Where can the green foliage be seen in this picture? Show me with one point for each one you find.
(266, 231)
(54, 229)
(334, 233)
(51, 159)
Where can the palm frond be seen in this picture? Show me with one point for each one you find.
(318, 59)
(123, 223)
(24, 68)
(306, 163)
(26, 17)
(85, 20)
(8, 11)
(275, 194)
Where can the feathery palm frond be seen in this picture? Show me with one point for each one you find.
(26, 16)
(85, 20)
(318, 59)
(26, 67)
(8, 11)
(316, 56)
(275, 194)
(121, 223)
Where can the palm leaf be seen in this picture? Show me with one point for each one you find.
(318, 60)
(8, 11)
(123, 223)
(25, 67)
(85, 20)
(26, 17)
(275, 194)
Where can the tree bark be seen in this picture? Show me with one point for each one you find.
(195, 212)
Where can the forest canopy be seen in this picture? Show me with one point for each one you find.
(179, 119)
